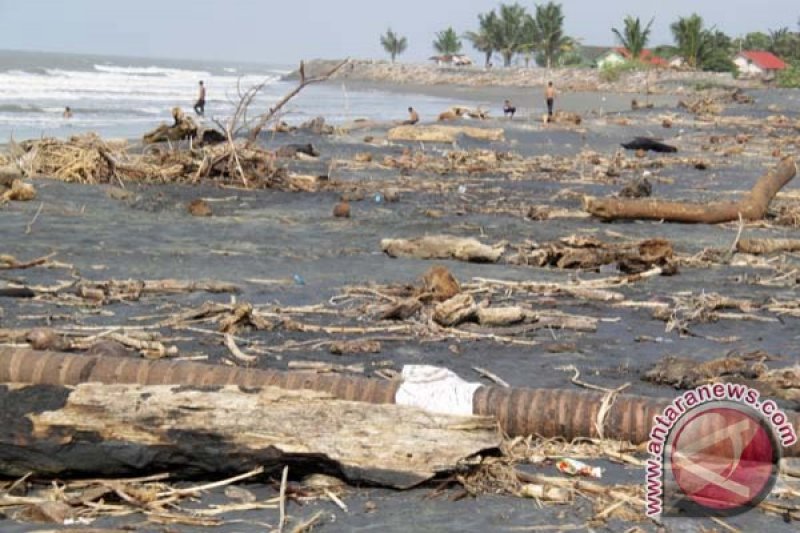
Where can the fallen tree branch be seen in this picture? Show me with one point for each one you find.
(752, 207)
(9, 262)
(264, 119)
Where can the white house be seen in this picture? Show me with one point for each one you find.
(458, 60)
(617, 56)
(610, 59)
(758, 63)
(676, 62)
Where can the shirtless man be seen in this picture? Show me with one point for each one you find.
(550, 96)
(509, 109)
(67, 112)
(200, 105)
(413, 117)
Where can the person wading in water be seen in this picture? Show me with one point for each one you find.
(550, 97)
(509, 109)
(200, 105)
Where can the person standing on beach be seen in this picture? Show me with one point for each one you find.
(550, 97)
(200, 105)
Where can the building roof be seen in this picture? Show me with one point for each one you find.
(763, 60)
(592, 53)
(646, 56)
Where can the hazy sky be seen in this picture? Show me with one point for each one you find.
(287, 30)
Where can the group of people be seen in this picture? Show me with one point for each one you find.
(509, 110)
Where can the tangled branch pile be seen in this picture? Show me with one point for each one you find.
(90, 159)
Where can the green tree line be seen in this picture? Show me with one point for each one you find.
(512, 31)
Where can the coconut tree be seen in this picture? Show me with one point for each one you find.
(511, 31)
(547, 31)
(784, 43)
(694, 42)
(756, 41)
(633, 36)
(393, 43)
(447, 42)
(482, 39)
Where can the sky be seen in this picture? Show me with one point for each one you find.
(270, 31)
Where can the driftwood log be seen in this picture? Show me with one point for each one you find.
(443, 247)
(562, 413)
(753, 206)
(443, 134)
(182, 127)
(120, 430)
(767, 246)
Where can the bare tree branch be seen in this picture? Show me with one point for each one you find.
(264, 119)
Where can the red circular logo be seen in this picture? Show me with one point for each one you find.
(724, 458)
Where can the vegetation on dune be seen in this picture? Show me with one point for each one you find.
(549, 40)
(513, 32)
(784, 43)
(447, 42)
(789, 78)
(692, 39)
(483, 40)
(393, 43)
(633, 37)
(611, 72)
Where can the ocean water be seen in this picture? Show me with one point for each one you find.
(125, 97)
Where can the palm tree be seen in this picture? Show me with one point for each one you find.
(447, 42)
(783, 42)
(755, 41)
(393, 43)
(482, 39)
(693, 41)
(547, 30)
(511, 31)
(633, 37)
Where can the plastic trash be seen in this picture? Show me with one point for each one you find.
(298, 279)
(378, 198)
(577, 468)
(462, 189)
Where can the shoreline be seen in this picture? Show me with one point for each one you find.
(572, 79)
(526, 99)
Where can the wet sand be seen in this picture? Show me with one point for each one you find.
(272, 235)
(529, 100)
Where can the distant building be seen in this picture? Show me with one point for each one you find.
(758, 63)
(590, 54)
(617, 56)
(456, 60)
(676, 62)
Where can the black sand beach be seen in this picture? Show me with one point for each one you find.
(284, 249)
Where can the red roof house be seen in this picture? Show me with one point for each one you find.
(646, 57)
(758, 62)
